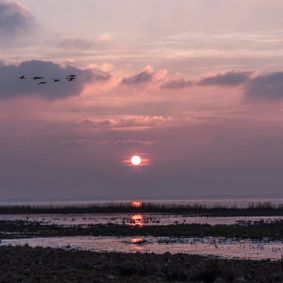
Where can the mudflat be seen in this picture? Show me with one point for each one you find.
(24, 264)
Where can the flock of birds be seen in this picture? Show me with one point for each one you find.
(41, 80)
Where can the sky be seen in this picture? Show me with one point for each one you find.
(194, 87)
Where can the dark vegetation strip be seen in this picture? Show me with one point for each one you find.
(258, 230)
(260, 209)
(24, 264)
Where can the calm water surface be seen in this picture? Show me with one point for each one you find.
(207, 246)
(133, 219)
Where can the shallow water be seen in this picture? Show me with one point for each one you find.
(207, 246)
(145, 219)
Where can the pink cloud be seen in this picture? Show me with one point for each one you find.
(134, 122)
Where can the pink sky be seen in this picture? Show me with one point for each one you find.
(194, 87)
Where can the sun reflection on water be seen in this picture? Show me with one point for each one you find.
(137, 220)
(138, 241)
(137, 244)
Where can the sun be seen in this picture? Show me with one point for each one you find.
(136, 160)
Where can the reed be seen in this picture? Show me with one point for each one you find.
(253, 209)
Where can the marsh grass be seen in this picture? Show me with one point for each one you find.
(253, 209)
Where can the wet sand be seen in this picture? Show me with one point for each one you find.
(258, 230)
(24, 264)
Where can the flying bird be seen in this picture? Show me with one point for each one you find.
(71, 78)
(42, 83)
(56, 80)
(23, 77)
(37, 78)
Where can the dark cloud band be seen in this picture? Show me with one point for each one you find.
(142, 77)
(266, 87)
(176, 84)
(226, 79)
(14, 17)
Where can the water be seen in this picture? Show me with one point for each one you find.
(144, 219)
(206, 246)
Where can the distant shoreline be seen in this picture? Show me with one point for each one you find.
(193, 199)
(195, 209)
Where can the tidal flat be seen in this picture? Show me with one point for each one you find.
(256, 230)
(141, 243)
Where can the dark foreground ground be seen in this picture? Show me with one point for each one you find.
(24, 264)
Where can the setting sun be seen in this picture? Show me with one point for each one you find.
(136, 204)
(136, 160)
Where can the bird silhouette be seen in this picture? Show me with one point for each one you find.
(37, 78)
(71, 79)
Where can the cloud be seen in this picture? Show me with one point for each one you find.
(11, 86)
(99, 75)
(83, 141)
(127, 122)
(132, 142)
(14, 17)
(266, 87)
(144, 76)
(97, 123)
(74, 43)
(105, 37)
(81, 43)
(222, 80)
(227, 79)
(176, 83)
